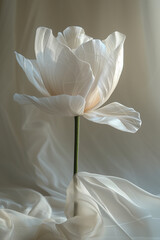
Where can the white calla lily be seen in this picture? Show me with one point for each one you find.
(76, 75)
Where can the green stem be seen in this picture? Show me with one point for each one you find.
(76, 151)
(76, 143)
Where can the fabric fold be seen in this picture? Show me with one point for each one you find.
(106, 208)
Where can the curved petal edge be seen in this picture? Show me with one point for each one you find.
(116, 115)
(62, 105)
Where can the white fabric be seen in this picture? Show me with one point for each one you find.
(107, 208)
(36, 149)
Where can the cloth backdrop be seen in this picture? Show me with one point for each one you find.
(36, 149)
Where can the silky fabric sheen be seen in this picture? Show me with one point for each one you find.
(107, 208)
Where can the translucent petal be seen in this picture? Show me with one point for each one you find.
(62, 71)
(32, 72)
(71, 75)
(94, 52)
(73, 37)
(47, 50)
(115, 48)
(62, 105)
(113, 41)
(116, 115)
(44, 40)
(93, 100)
(106, 64)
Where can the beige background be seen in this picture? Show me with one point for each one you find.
(36, 149)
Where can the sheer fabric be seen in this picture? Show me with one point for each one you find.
(107, 208)
(36, 149)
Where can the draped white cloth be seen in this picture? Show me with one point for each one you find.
(36, 149)
(107, 208)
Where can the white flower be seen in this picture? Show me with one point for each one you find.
(76, 75)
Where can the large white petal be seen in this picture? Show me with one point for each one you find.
(94, 52)
(62, 105)
(47, 50)
(44, 40)
(115, 47)
(73, 37)
(106, 64)
(113, 41)
(116, 115)
(72, 76)
(32, 72)
(62, 71)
